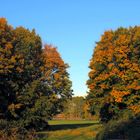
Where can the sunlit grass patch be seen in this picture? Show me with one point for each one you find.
(73, 130)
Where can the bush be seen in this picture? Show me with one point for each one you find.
(14, 131)
(121, 129)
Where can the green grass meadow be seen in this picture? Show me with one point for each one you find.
(72, 130)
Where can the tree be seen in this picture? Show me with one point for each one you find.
(74, 108)
(20, 85)
(10, 63)
(56, 79)
(34, 82)
(114, 79)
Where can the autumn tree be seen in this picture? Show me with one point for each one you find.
(11, 63)
(20, 75)
(34, 82)
(114, 79)
(56, 79)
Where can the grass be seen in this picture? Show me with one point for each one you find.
(72, 130)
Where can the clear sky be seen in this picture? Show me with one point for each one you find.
(73, 26)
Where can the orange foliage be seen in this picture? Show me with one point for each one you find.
(54, 64)
(118, 95)
(135, 108)
(115, 67)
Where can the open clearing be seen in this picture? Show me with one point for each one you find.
(72, 130)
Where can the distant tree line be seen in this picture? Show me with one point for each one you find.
(34, 82)
(76, 108)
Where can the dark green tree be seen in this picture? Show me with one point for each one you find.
(34, 84)
(11, 64)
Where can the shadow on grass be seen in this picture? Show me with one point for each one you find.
(69, 126)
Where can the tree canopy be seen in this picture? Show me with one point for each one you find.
(34, 82)
(114, 78)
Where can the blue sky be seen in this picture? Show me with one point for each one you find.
(73, 26)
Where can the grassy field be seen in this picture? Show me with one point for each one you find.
(72, 130)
